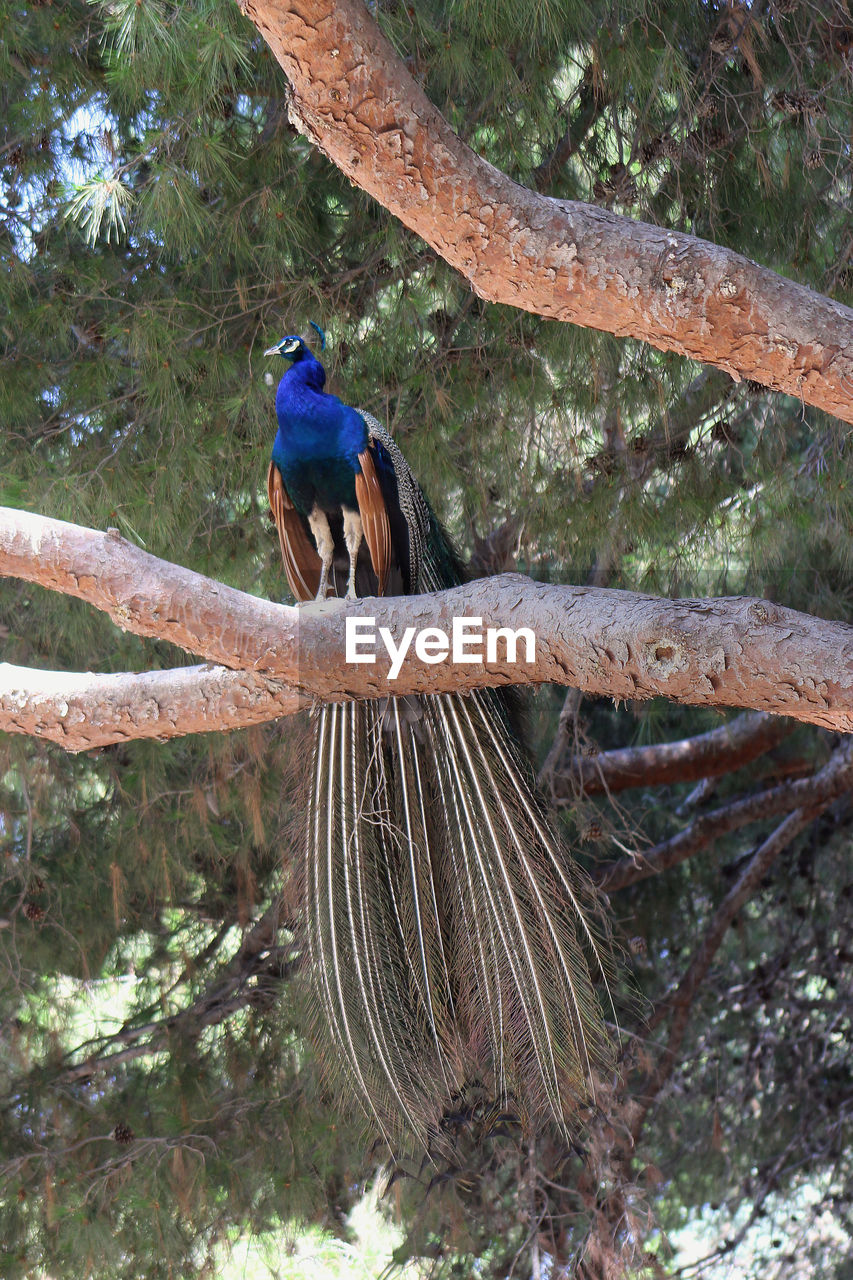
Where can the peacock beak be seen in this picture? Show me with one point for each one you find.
(272, 351)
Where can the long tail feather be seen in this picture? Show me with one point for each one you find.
(448, 937)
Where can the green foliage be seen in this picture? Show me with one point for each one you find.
(160, 223)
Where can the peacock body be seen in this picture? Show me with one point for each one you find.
(447, 926)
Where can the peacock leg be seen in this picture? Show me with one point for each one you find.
(325, 544)
(353, 534)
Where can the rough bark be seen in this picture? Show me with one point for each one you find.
(80, 711)
(708, 755)
(726, 652)
(354, 98)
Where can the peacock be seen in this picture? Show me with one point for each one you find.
(449, 933)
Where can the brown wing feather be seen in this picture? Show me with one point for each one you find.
(374, 518)
(301, 562)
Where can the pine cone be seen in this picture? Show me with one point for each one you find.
(813, 104)
(593, 831)
(812, 158)
(721, 42)
(715, 137)
(754, 388)
(33, 911)
(603, 189)
(603, 461)
(721, 432)
(798, 104)
(628, 193)
(650, 150)
(786, 102)
(123, 1134)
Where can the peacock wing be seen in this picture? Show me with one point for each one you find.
(412, 509)
(374, 517)
(301, 562)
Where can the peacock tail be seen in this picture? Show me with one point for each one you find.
(449, 930)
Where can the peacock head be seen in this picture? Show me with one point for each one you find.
(294, 348)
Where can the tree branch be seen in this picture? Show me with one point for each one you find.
(354, 98)
(838, 772)
(707, 755)
(820, 790)
(253, 976)
(82, 711)
(727, 652)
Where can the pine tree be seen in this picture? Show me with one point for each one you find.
(161, 221)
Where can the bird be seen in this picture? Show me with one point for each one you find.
(453, 947)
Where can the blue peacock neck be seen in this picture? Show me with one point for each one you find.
(305, 378)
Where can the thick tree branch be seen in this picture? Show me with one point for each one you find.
(82, 711)
(728, 652)
(707, 755)
(354, 98)
(821, 789)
